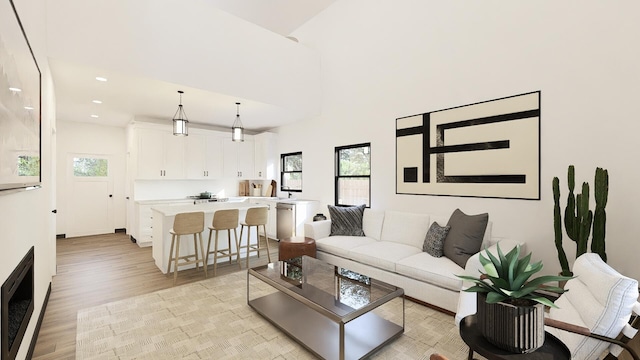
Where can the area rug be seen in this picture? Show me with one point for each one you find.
(210, 319)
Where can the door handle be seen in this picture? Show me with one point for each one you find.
(110, 195)
(55, 211)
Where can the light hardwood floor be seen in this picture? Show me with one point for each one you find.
(95, 270)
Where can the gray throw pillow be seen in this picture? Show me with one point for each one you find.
(465, 236)
(434, 241)
(346, 220)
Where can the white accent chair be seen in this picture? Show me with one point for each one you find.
(597, 307)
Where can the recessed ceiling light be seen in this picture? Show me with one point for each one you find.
(100, 78)
(15, 89)
(28, 108)
(94, 116)
(97, 102)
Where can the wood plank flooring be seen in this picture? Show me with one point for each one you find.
(95, 270)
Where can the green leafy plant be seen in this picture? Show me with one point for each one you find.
(507, 279)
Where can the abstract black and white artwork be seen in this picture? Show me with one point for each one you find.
(486, 149)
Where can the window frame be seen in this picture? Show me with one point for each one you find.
(337, 176)
(283, 172)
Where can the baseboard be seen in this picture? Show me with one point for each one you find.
(36, 332)
(426, 304)
(61, 236)
(121, 230)
(133, 240)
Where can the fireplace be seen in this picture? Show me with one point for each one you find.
(17, 306)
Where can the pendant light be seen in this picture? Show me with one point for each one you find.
(180, 122)
(237, 131)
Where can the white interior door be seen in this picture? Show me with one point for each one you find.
(90, 203)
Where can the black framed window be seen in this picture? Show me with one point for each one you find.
(353, 175)
(291, 172)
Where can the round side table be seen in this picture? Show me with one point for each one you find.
(296, 246)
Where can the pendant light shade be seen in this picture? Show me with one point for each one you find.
(237, 131)
(180, 122)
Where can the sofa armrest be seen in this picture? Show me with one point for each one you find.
(473, 267)
(317, 229)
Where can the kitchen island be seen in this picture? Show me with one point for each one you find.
(163, 217)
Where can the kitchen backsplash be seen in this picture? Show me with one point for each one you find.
(177, 189)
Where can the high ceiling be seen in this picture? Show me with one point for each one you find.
(218, 52)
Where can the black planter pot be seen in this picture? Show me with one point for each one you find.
(517, 329)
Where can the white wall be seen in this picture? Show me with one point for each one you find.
(91, 139)
(387, 59)
(26, 216)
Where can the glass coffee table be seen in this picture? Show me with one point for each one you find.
(333, 312)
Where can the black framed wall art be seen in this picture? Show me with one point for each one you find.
(486, 149)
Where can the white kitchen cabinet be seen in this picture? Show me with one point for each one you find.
(143, 232)
(238, 158)
(160, 155)
(203, 157)
(266, 162)
(143, 227)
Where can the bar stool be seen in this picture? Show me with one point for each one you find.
(223, 220)
(256, 217)
(186, 224)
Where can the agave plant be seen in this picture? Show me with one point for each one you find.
(507, 279)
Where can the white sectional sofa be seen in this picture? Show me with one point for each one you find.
(391, 251)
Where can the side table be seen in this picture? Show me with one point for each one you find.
(296, 246)
(553, 349)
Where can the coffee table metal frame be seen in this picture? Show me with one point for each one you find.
(318, 319)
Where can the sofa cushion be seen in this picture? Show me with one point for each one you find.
(465, 236)
(346, 220)
(372, 223)
(382, 254)
(405, 228)
(340, 245)
(438, 271)
(434, 241)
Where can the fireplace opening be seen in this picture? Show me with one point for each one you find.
(17, 306)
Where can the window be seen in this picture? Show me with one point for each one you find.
(291, 175)
(353, 175)
(90, 167)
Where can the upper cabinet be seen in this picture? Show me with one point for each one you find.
(238, 158)
(203, 158)
(266, 157)
(160, 155)
(155, 153)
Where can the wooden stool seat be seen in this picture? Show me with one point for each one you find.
(296, 246)
(223, 220)
(191, 223)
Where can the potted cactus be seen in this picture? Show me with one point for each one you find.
(579, 220)
(510, 313)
